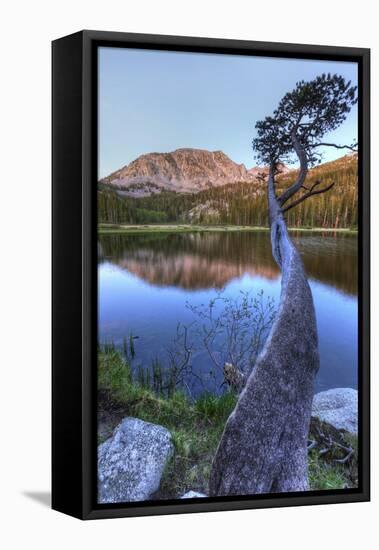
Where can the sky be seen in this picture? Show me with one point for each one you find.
(159, 101)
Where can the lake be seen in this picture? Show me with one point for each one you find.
(154, 286)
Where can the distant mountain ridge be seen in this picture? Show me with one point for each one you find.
(183, 171)
(239, 202)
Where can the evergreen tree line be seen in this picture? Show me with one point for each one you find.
(241, 203)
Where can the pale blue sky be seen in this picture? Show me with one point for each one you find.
(158, 101)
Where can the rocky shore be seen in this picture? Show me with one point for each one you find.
(135, 458)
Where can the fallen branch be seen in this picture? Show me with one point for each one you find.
(346, 458)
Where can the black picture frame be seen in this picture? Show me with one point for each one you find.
(74, 294)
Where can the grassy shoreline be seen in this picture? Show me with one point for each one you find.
(196, 428)
(187, 228)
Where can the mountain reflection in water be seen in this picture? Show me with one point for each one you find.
(147, 280)
(206, 260)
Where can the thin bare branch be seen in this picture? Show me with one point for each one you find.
(312, 443)
(353, 147)
(310, 193)
(346, 458)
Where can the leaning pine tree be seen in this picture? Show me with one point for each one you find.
(264, 445)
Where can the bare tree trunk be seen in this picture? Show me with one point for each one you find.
(264, 445)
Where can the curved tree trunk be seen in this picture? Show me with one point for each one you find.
(264, 445)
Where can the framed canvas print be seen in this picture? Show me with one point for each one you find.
(210, 275)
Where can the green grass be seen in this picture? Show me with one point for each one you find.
(323, 475)
(105, 229)
(168, 228)
(196, 428)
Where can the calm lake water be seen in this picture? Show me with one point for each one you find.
(147, 282)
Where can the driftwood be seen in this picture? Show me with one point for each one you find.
(264, 445)
(330, 443)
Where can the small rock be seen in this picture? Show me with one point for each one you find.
(132, 461)
(193, 494)
(338, 407)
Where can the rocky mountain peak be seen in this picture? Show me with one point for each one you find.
(184, 170)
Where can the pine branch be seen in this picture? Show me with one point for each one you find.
(312, 191)
(351, 147)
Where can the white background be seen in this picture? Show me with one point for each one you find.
(27, 27)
